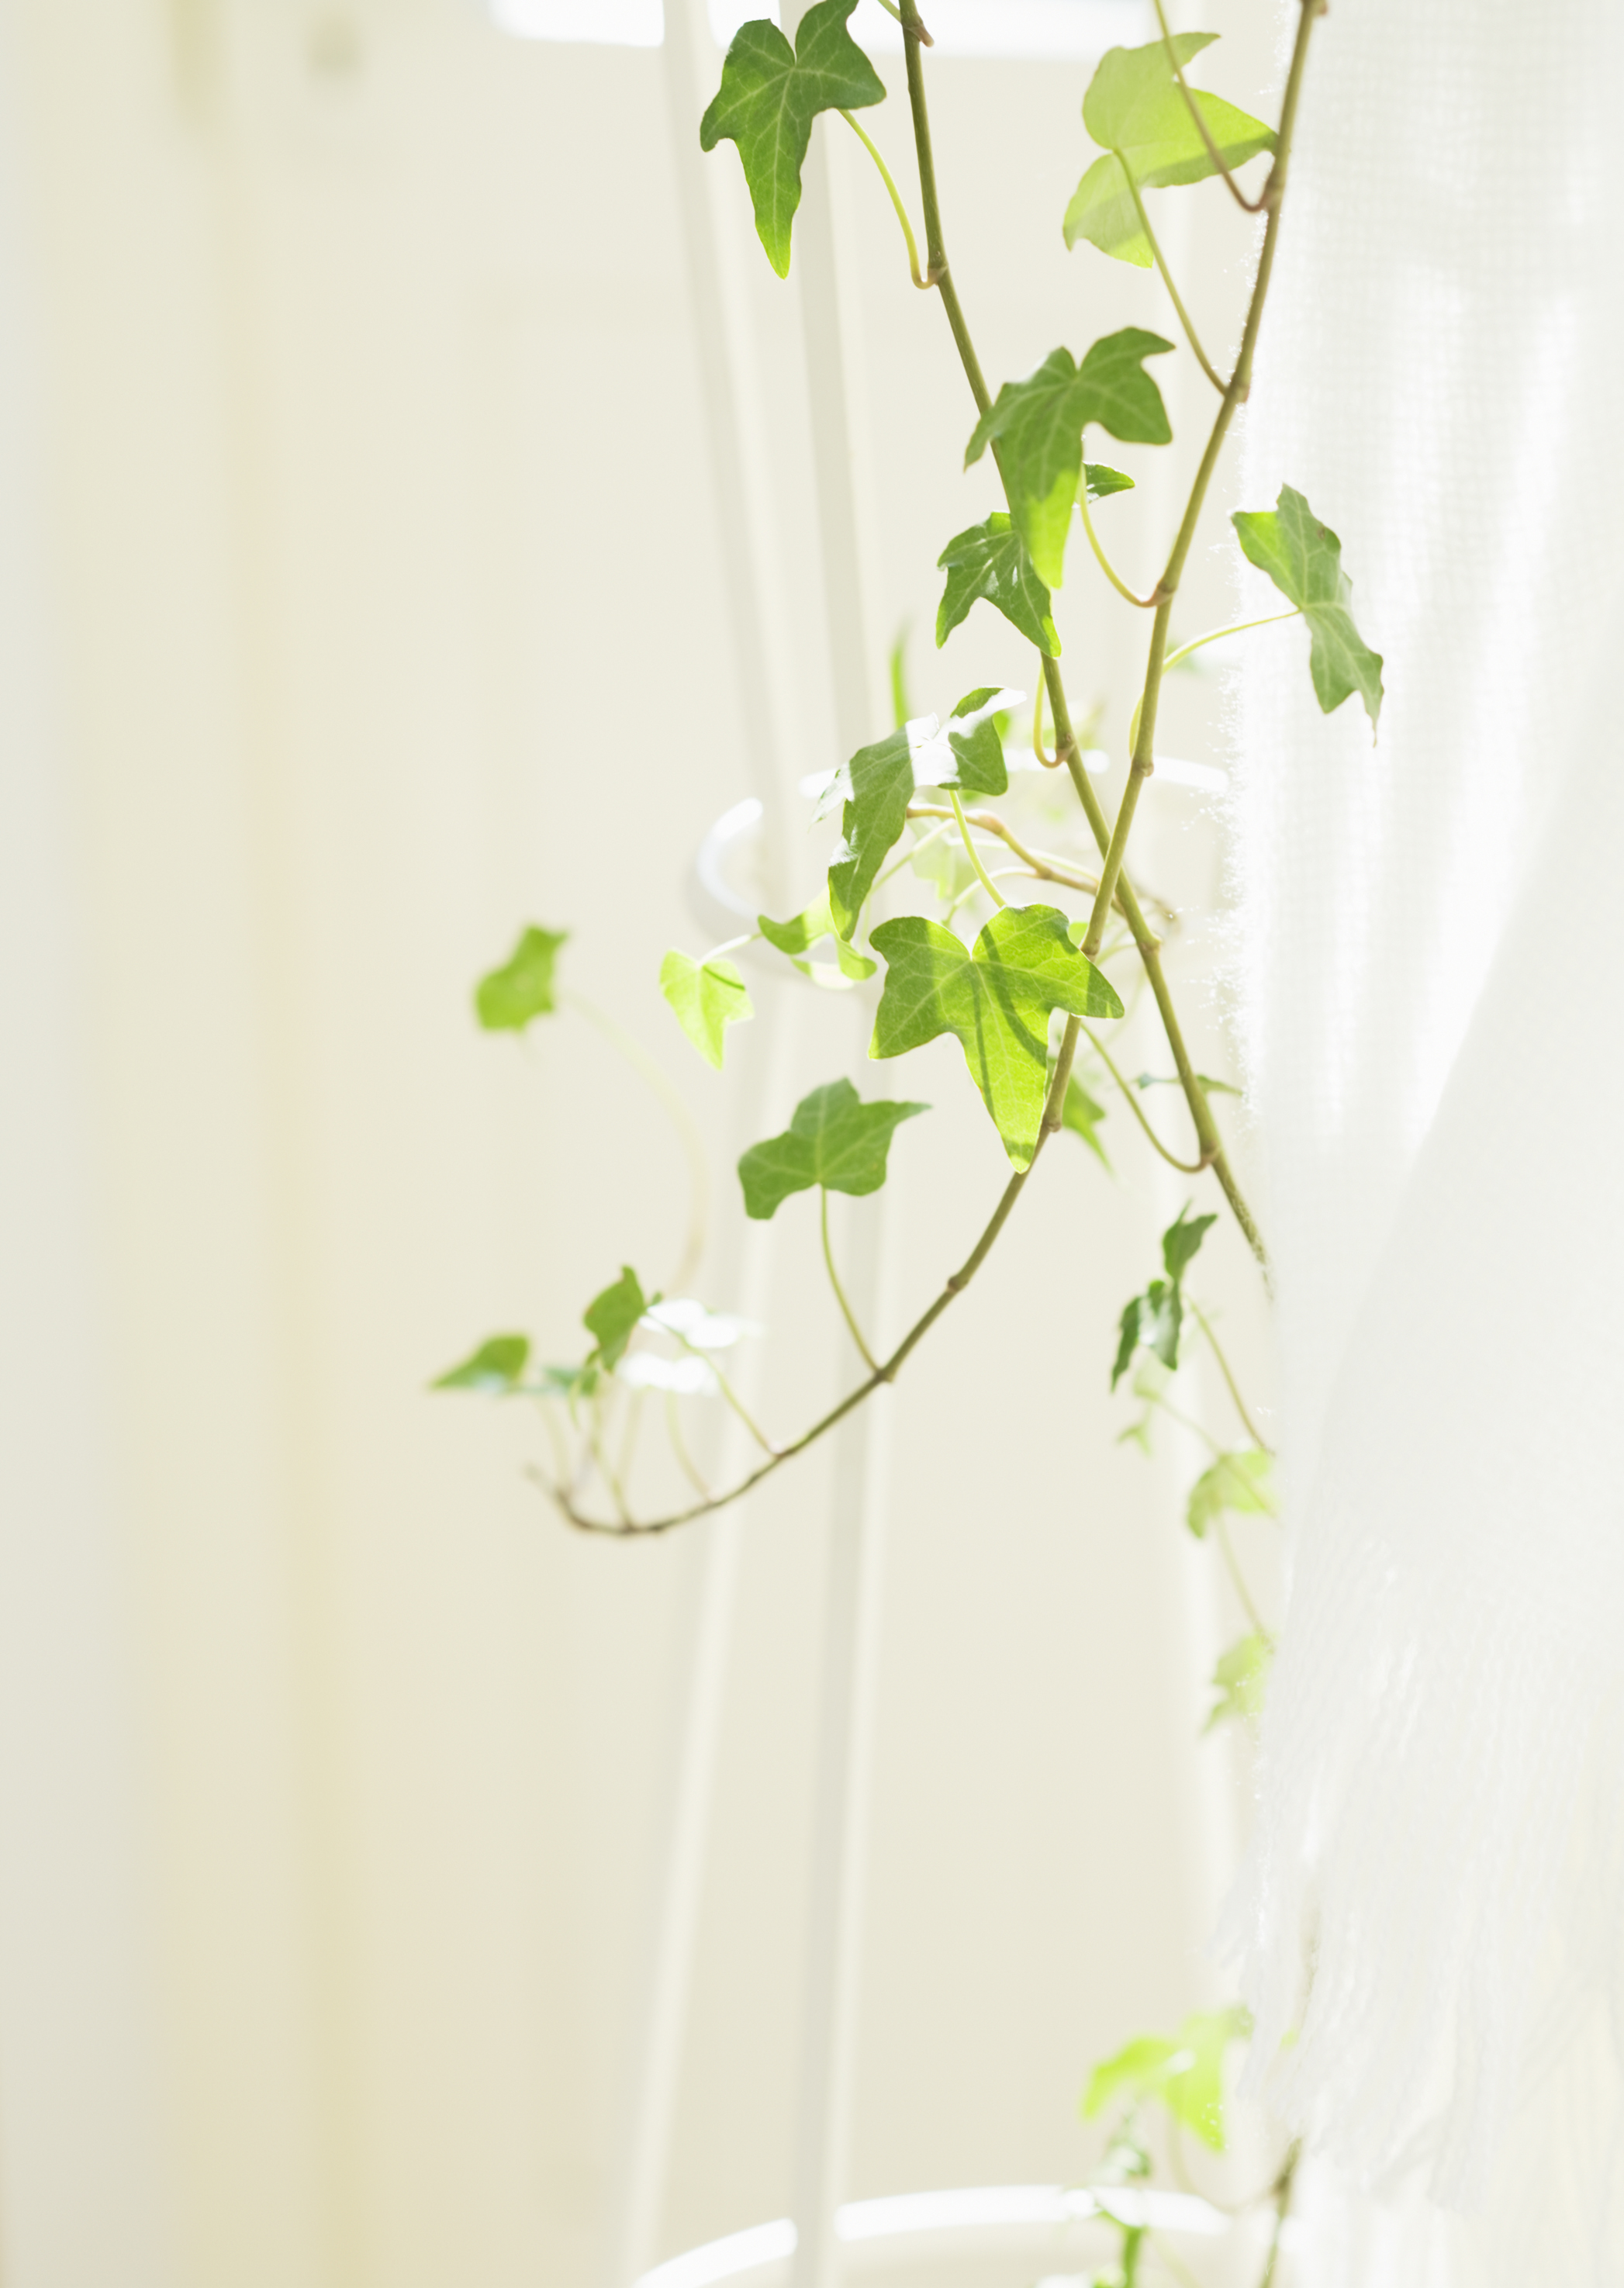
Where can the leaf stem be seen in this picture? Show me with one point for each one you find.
(1154, 244)
(1247, 1423)
(988, 884)
(728, 1393)
(889, 1368)
(1252, 206)
(1145, 603)
(924, 284)
(1050, 762)
(679, 1447)
(680, 1117)
(1221, 1534)
(1282, 2210)
(1184, 1167)
(846, 1312)
(1213, 635)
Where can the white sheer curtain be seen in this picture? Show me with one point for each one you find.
(1432, 934)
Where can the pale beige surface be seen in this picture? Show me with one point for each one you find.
(363, 515)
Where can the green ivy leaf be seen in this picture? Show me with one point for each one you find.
(706, 998)
(1155, 1320)
(989, 562)
(1181, 1243)
(1241, 1484)
(1039, 424)
(834, 1138)
(1083, 1114)
(978, 749)
(1241, 1680)
(495, 1367)
(610, 1317)
(996, 998)
(804, 930)
(1134, 108)
(506, 1000)
(769, 95)
(882, 782)
(1303, 559)
(1102, 481)
(1184, 2074)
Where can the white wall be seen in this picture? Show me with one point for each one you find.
(364, 602)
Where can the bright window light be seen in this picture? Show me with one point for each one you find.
(608, 23)
(1052, 29)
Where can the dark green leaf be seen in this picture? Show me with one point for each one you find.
(706, 998)
(882, 782)
(996, 998)
(798, 935)
(1242, 1483)
(1153, 1320)
(989, 562)
(1039, 424)
(1181, 1243)
(1083, 1114)
(610, 1317)
(769, 96)
(1185, 2075)
(1241, 1680)
(495, 1367)
(1134, 108)
(834, 1138)
(1303, 559)
(507, 998)
(1102, 481)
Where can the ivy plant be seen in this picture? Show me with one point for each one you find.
(1035, 987)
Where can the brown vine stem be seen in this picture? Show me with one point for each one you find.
(1240, 382)
(627, 1527)
(1144, 938)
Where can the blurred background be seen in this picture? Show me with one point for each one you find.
(400, 1891)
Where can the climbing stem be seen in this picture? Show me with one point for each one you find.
(1066, 741)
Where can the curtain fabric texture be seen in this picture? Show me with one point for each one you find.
(1432, 934)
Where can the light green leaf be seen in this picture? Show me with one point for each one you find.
(1102, 481)
(495, 1367)
(996, 998)
(1241, 1483)
(1083, 1114)
(1241, 1680)
(882, 782)
(769, 96)
(1135, 110)
(804, 930)
(1303, 559)
(610, 1317)
(978, 749)
(706, 998)
(989, 562)
(1181, 1243)
(506, 1000)
(1185, 2075)
(834, 1138)
(1039, 424)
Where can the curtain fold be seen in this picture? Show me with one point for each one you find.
(1430, 931)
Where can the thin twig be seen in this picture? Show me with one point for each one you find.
(1247, 1423)
(846, 1312)
(1252, 206)
(1184, 1167)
